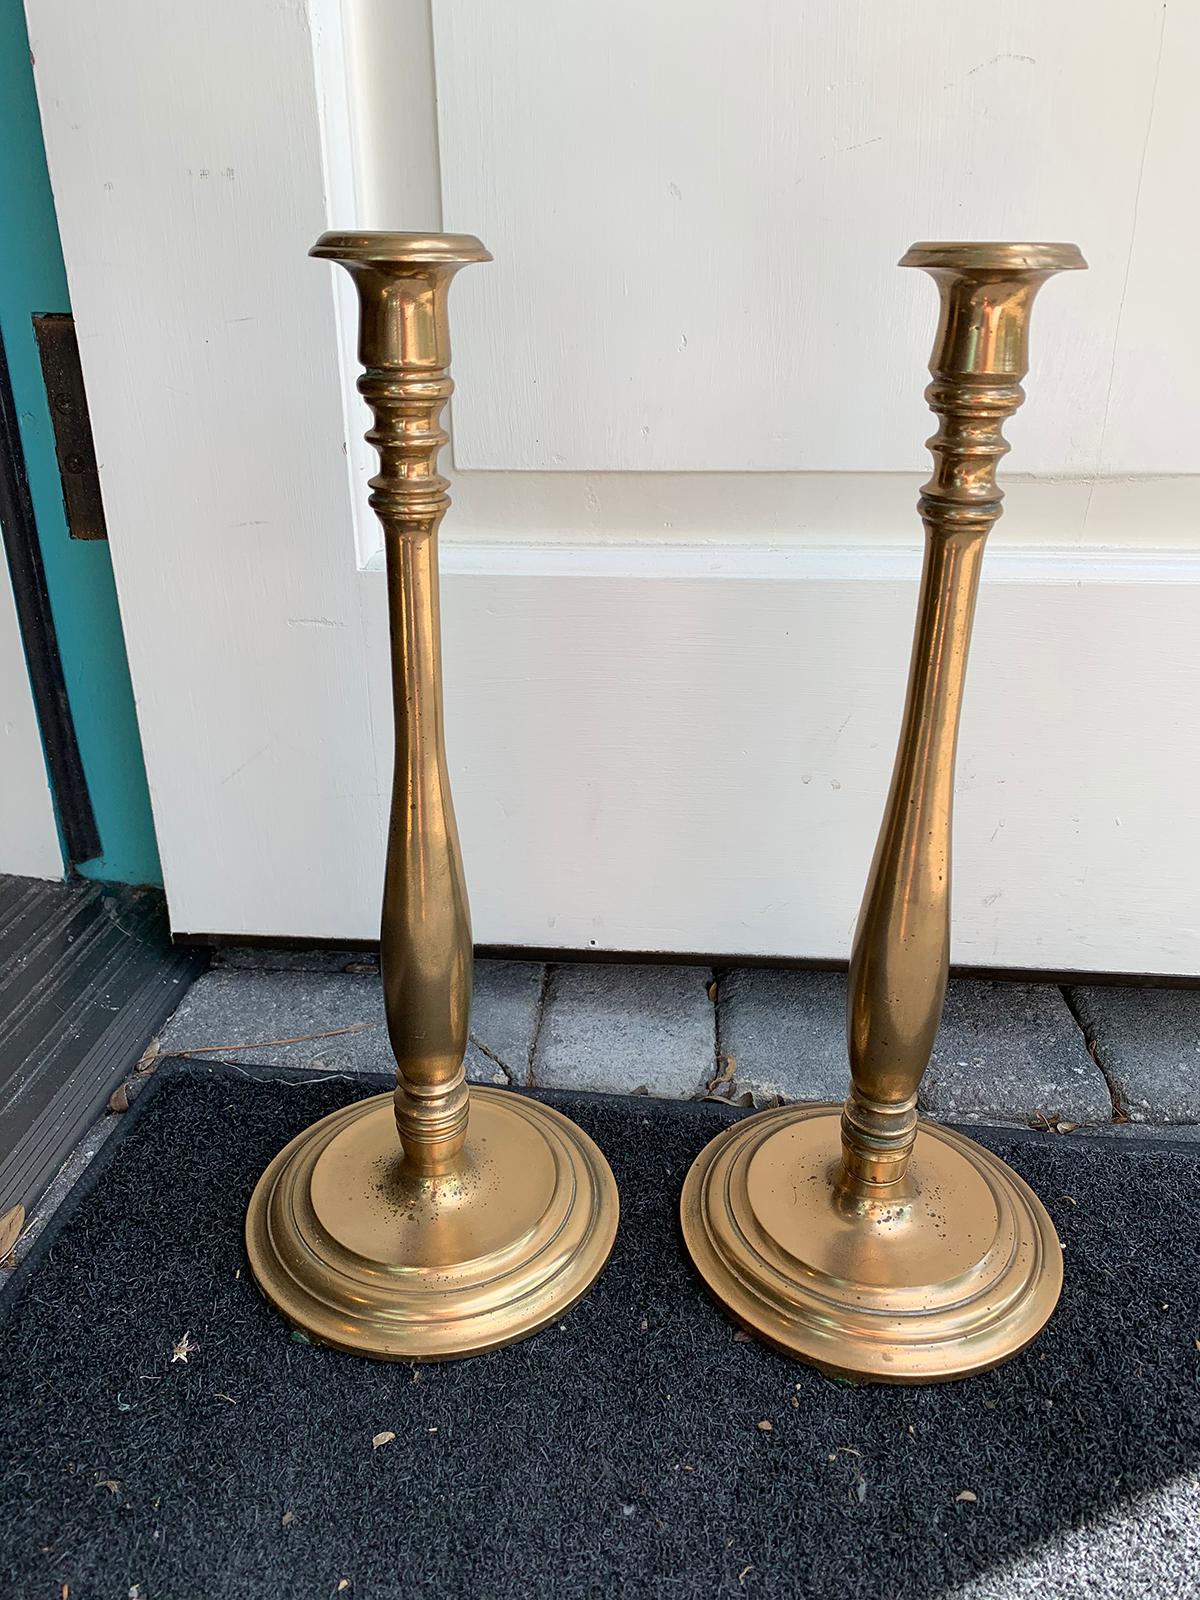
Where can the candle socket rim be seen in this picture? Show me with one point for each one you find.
(993, 255)
(385, 249)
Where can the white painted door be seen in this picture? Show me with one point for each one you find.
(681, 564)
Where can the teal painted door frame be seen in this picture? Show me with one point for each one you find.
(79, 574)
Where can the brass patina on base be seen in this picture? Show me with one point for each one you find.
(951, 1277)
(363, 1252)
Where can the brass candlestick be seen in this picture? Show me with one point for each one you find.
(913, 1254)
(489, 1215)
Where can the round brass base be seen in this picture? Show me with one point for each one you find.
(362, 1253)
(954, 1276)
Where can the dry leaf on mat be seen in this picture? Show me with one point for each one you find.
(11, 1224)
(183, 1348)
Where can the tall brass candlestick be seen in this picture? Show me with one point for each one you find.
(434, 1222)
(858, 1238)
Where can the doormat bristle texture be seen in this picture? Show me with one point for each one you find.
(164, 1437)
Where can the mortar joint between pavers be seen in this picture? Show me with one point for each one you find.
(1120, 1111)
(538, 1018)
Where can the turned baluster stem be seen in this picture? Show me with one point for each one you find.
(901, 954)
(426, 958)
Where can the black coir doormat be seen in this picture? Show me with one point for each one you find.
(618, 1454)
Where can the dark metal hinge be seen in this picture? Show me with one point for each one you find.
(63, 377)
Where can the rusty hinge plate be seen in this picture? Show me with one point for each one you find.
(63, 377)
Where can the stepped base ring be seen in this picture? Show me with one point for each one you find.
(957, 1275)
(360, 1252)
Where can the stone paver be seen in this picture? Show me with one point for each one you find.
(504, 1013)
(1009, 1051)
(626, 1028)
(1004, 1053)
(783, 1034)
(1148, 1043)
(247, 1010)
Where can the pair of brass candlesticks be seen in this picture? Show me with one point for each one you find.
(859, 1238)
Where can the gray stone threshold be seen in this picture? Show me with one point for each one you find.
(1116, 1063)
(1019, 1053)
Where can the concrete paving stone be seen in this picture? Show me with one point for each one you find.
(1004, 1051)
(626, 1029)
(246, 1011)
(1148, 1043)
(1009, 1052)
(241, 1015)
(783, 1034)
(505, 1012)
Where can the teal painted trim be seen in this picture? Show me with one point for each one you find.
(79, 573)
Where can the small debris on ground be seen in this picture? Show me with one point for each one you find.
(118, 1100)
(11, 1224)
(742, 1337)
(968, 1496)
(1051, 1122)
(148, 1060)
(183, 1348)
(287, 1519)
(764, 1426)
(113, 1485)
(720, 1085)
(381, 1439)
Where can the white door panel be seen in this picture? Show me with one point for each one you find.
(672, 693)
